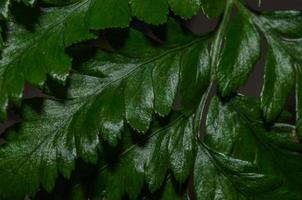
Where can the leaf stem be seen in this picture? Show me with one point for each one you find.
(218, 39)
(200, 118)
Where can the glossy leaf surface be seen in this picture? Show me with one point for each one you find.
(104, 94)
(127, 90)
(243, 159)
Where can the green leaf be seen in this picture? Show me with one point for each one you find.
(35, 156)
(108, 14)
(62, 26)
(281, 30)
(185, 8)
(116, 111)
(278, 80)
(29, 54)
(165, 85)
(171, 192)
(213, 8)
(144, 78)
(56, 29)
(240, 52)
(4, 8)
(111, 123)
(199, 75)
(101, 94)
(150, 11)
(242, 159)
(148, 159)
(139, 99)
(232, 67)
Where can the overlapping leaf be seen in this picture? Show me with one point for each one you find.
(30, 55)
(243, 160)
(237, 48)
(35, 49)
(283, 33)
(82, 186)
(33, 52)
(241, 49)
(148, 160)
(233, 67)
(104, 94)
(122, 92)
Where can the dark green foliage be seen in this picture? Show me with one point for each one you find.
(124, 103)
